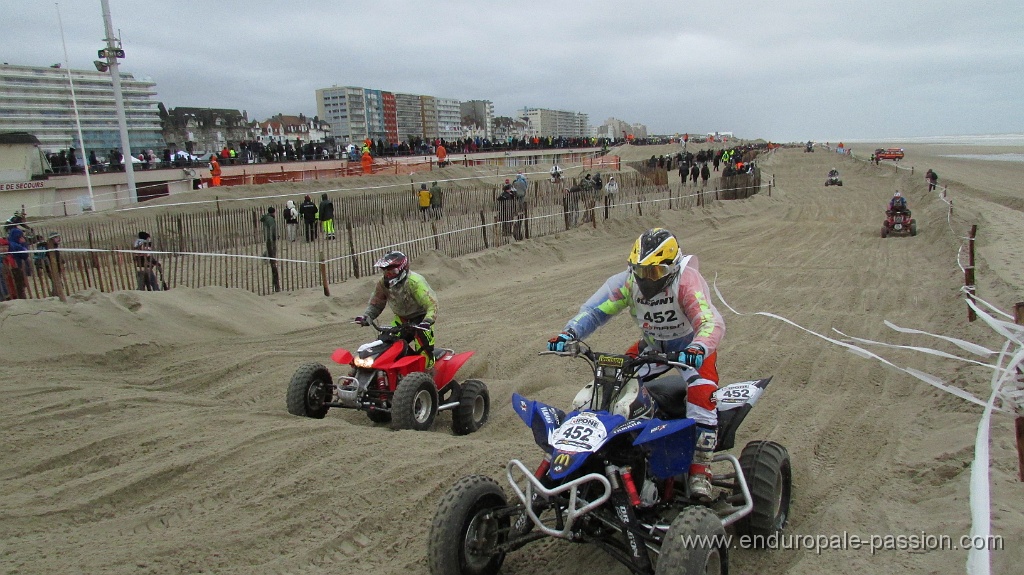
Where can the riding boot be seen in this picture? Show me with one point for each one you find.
(700, 470)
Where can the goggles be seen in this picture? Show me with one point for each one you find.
(392, 273)
(652, 272)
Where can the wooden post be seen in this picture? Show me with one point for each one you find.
(1018, 423)
(969, 281)
(483, 228)
(217, 199)
(352, 249)
(323, 274)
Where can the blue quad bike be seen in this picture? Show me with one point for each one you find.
(614, 475)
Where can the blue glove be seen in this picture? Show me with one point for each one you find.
(558, 342)
(425, 325)
(361, 320)
(694, 354)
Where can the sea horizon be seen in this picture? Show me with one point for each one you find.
(1008, 139)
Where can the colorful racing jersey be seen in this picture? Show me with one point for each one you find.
(410, 299)
(681, 313)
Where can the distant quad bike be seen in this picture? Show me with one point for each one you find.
(391, 384)
(614, 475)
(899, 223)
(833, 181)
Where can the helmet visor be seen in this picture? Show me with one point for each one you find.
(651, 272)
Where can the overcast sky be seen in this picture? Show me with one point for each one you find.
(781, 70)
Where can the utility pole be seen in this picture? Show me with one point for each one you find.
(112, 52)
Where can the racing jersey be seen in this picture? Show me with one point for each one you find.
(682, 313)
(410, 299)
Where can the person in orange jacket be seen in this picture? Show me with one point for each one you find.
(367, 162)
(214, 171)
(442, 155)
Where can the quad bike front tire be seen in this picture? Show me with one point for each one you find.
(699, 526)
(465, 529)
(309, 391)
(913, 227)
(885, 231)
(766, 466)
(474, 408)
(414, 405)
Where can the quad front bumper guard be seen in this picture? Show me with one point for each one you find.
(571, 513)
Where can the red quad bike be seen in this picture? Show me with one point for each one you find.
(391, 384)
(899, 223)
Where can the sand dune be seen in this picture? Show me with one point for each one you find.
(147, 432)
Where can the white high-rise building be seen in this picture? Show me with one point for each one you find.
(38, 100)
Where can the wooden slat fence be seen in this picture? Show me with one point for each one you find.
(202, 249)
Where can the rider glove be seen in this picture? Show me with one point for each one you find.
(361, 320)
(558, 342)
(425, 325)
(694, 354)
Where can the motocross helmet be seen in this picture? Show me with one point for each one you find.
(395, 266)
(654, 261)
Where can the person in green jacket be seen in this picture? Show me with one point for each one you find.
(436, 201)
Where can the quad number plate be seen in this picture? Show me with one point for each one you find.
(580, 433)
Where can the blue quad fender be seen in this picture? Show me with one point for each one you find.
(541, 418)
(670, 444)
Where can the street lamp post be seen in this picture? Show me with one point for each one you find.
(112, 52)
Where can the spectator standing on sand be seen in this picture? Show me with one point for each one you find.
(214, 171)
(291, 219)
(327, 216)
(145, 263)
(308, 211)
(705, 175)
(270, 231)
(423, 200)
(436, 201)
(18, 262)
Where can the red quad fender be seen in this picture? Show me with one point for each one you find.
(446, 367)
(342, 356)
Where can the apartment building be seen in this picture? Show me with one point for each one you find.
(37, 100)
(479, 116)
(356, 113)
(556, 123)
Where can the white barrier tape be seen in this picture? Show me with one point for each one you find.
(212, 254)
(1010, 331)
(925, 350)
(993, 308)
(964, 345)
(978, 560)
(929, 379)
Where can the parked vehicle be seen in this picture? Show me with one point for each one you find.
(889, 154)
(392, 385)
(614, 474)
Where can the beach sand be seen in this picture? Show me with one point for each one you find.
(147, 432)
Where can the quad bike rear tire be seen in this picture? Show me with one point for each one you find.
(474, 408)
(309, 391)
(766, 466)
(414, 405)
(913, 227)
(695, 524)
(885, 231)
(464, 528)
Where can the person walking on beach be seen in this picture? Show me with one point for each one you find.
(932, 178)
(327, 216)
(694, 174)
(705, 175)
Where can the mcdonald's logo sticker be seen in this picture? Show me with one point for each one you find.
(561, 461)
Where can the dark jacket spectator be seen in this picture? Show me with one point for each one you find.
(309, 212)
